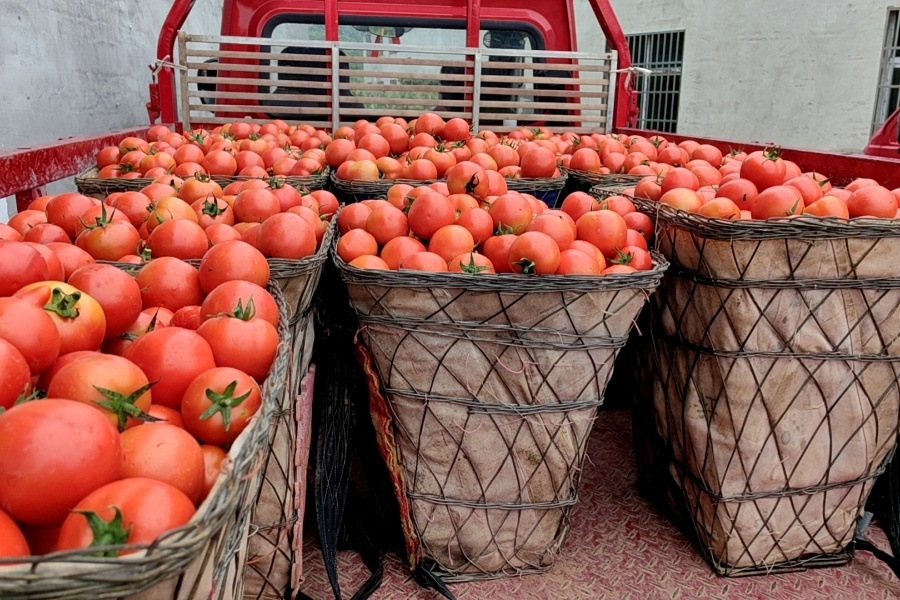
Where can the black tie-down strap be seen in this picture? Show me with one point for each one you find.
(426, 577)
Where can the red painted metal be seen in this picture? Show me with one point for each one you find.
(842, 168)
(331, 20)
(625, 111)
(164, 92)
(25, 170)
(886, 141)
(473, 23)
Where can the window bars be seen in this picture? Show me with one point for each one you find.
(659, 91)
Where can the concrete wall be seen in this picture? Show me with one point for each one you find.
(800, 73)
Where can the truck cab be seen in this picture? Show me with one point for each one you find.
(886, 140)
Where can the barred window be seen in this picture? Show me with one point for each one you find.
(888, 96)
(658, 92)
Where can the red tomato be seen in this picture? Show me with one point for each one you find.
(12, 540)
(187, 317)
(576, 262)
(178, 238)
(578, 203)
(16, 380)
(27, 219)
(242, 342)
(429, 212)
(20, 265)
(110, 383)
(46, 447)
(72, 257)
(468, 178)
(219, 404)
(165, 453)
(40, 342)
(472, 263)
(637, 258)
(77, 316)
(45, 233)
(66, 209)
(148, 508)
(538, 163)
(534, 253)
(239, 294)
(450, 241)
(255, 205)
(556, 226)
(496, 249)
(64, 360)
(173, 357)
(777, 201)
(213, 457)
(872, 201)
(420, 261)
(764, 168)
(511, 213)
(165, 415)
(287, 236)
(232, 260)
(170, 283)
(111, 241)
(148, 320)
(55, 269)
(117, 292)
(605, 229)
(479, 223)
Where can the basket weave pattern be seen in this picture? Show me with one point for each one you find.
(776, 395)
(492, 385)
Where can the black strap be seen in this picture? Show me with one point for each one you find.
(426, 576)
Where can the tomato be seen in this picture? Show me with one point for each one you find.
(603, 228)
(170, 209)
(328, 202)
(740, 191)
(232, 260)
(136, 510)
(496, 249)
(428, 213)
(12, 540)
(165, 416)
(110, 241)
(219, 162)
(78, 317)
(148, 320)
(424, 261)
(110, 155)
(468, 178)
(479, 223)
(683, 199)
(872, 201)
(179, 239)
(386, 223)
(369, 261)
(455, 130)
(164, 453)
(538, 163)
(353, 216)
(511, 213)
(239, 294)
(450, 241)
(496, 183)
(578, 203)
(398, 249)
(9, 234)
(472, 263)
(170, 283)
(286, 236)
(16, 380)
(116, 291)
(241, 341)
(637, 258)
(65, 210)
(828, 206)
(213, 210)
(199, 187)
(337, 151)
(20, 265)
(576, 262)
(356, 243)
(173, 357)
(55, 270)
(680, 177)
(187, 317)
(618, 269)
(219, 403)
(556, 226)
(45, 446)
(721, 208)
(809, 189)
(219, 232)
(255, 205)
(764, 168)
(213, 457)
(586, 159)
(25, 220)
(534, 253)
(777, 201)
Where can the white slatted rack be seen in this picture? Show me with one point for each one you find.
(327, 84)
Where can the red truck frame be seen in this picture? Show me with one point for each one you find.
(27, 171)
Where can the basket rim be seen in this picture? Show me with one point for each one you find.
(803, 227)
(382, 185)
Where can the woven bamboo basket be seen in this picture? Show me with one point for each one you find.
(483, 392)
(547, 189)
(202, 559)
(775, 405)
(89, 184)
(585, 180)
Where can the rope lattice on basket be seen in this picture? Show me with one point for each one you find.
(776, 397)
(588, 179)
(492, 384)
(198, 560)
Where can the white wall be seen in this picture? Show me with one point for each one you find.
(801, 73)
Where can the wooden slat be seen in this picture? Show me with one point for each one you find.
(532, 105)
(529, 117)
(412, 88)
(531, 92)
(404, 75)
(274, 98)
(546, 80)
(261, 69)
(405, 101)
(319, 85)
(394, 60)
(220, 120)
(538, 66)
(249, 108)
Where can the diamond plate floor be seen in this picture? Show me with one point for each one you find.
(620, 548)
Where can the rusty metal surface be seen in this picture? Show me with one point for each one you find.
(620, 548)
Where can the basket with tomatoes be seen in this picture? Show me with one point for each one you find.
(492, 324)
(130, 433)
(368, 158)
(233, 152)
(774, 351)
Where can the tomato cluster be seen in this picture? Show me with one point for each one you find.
(427, 148)
(182, 218)
(121, 394)
(697, 178)
(474, 224)
(240, 148)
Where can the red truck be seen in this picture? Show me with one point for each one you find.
(480, 59)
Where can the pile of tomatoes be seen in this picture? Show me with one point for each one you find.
(181, 218)
(121, 394)
(235, 149)
(427, 148)
(472, 224)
